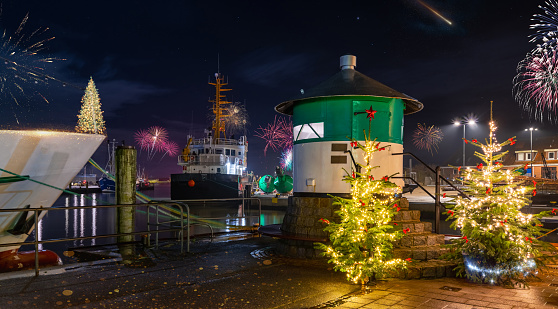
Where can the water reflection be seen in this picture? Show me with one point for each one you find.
(93, 222)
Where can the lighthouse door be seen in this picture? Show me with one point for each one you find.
(371, 114)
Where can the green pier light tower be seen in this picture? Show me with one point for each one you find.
(325, 116)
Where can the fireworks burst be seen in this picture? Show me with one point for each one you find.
(286, 160)
(278, 134)
(237, 118)
(169, 148)
(23, 67)
(536, 84)
(546, 26)
(425, 137)
(152, 140)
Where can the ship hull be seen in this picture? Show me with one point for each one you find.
(52, 158)
(205, 186)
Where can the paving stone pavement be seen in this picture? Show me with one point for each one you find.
(452, 293)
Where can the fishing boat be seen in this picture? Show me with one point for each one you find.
(213, 166)
(33, 166)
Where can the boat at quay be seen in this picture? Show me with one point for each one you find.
(213, 166)
(34, 165)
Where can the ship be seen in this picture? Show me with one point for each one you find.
(213, 166)
(33, 166)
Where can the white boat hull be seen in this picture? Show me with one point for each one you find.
(54, 158)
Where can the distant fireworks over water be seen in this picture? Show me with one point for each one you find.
(277, 135)
(427, 137)
(154, 140)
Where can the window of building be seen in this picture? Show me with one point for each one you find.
(218, 151)
(233, 152)
(520, 156)
(240, 153)
(308, 131)
(227, 152)
(551, 155)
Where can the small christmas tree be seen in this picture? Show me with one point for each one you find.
(90, 118)
(499, 243)
(362, 242)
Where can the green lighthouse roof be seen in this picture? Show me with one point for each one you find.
(349, 82)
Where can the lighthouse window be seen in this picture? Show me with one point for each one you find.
(309, 130)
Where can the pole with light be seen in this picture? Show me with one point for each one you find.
(531, 129)
(470, 120)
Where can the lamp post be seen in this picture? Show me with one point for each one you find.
(531, 129)
(464, 121)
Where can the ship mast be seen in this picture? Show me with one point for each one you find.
(218, 109)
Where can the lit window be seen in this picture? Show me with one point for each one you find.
(551, 155)
(309, 130)
(520, 156)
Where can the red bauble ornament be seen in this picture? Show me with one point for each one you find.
(191, 183)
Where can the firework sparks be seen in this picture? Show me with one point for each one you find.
(546, 26)
(427, 137)
(237, 118)
(23, 65)
(169, 148)
(536, 84)
(435, 12)
(286, 160)
(278, 134)
(153, 140)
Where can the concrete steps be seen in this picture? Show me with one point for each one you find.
(421, 245)
(426, 269)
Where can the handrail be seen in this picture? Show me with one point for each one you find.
(180, 204)
(436, 197)
(36, 212)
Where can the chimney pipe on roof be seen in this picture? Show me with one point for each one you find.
(347, 62)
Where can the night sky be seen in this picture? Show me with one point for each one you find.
(151, 61)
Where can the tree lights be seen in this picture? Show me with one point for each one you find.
(90, 118)
(499, 243)
(362, 242)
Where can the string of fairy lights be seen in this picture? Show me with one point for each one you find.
(491, 218)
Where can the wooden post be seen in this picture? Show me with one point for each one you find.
(126, 195)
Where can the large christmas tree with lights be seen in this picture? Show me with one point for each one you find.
(361, 243)
(90, 118)
(499, 243)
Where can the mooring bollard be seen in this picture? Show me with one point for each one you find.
(126, 167)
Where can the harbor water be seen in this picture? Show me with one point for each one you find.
(60, 222)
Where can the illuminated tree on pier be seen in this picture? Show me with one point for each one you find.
(362, 242)
(499, 243)
(90, 118)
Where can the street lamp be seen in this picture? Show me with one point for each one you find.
(531, 129)
(469, 120)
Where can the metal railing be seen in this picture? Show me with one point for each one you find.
(37, 211)
(436, 197)
(184, 215)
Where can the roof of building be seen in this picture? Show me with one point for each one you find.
(539, 145)
(349, 82)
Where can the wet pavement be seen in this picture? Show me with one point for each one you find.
(245, 273)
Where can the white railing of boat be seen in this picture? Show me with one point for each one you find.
(218, 141)
(209, 159)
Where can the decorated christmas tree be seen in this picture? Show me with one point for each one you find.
(361, 243)
(499, 243)
(90, 118)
